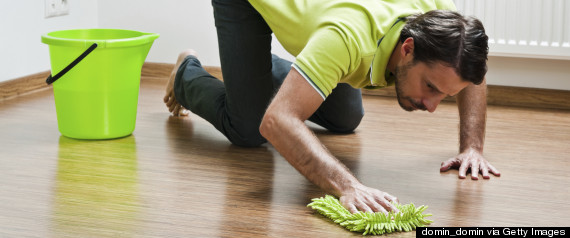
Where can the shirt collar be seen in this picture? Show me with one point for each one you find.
(384, 50)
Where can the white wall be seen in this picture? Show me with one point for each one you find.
(532, 73)
(181, 24)
(21, 25)
(190, 24)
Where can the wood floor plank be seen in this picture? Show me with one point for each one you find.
(179, 177)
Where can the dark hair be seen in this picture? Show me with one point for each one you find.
(447, 36)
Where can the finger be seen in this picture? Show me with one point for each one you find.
(494, 170)
(351, 208)
(349, 205)
(363, 207)
(475, 170)
(463, 169)
(382, 202)
(378, 207)
(389, 206)
(446, 165)
(391, 198)
(166, 97)
(485, 171)
(449, 164)
(184, 112)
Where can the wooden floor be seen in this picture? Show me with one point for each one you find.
(179, 177)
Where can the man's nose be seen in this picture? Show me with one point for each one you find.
(431, 103)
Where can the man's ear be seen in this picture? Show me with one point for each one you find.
(407, 47)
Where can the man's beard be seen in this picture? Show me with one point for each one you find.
(401, 75)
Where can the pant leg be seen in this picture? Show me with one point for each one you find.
(251, 76)
(342, 110)
(200, 92)
(236, 106)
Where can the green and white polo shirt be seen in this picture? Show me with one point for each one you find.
(341, 41)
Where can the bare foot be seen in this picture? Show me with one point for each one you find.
(171, 103)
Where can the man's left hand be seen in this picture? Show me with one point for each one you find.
(473, 159)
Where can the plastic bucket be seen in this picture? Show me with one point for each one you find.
(96, 79)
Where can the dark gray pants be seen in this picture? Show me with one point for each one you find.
(252, 75)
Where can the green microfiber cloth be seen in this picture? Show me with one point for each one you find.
(376, 223)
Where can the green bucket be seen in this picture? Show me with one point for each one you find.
(97, 83)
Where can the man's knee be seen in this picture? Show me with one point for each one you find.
(247, 136)
(346, 123)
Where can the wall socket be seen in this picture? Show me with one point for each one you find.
(56, 8)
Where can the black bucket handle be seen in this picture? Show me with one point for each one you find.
(51, 79)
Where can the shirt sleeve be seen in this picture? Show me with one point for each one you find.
(326, 58)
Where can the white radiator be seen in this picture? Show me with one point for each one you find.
(523, 28)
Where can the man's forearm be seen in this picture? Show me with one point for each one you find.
(302, 149)
(283, 125)
(472, 104)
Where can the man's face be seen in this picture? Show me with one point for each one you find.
(422, 87)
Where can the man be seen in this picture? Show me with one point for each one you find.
(340, 45)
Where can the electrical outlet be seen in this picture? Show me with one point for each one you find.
(56, 8)
(51, 8)
(64, 7)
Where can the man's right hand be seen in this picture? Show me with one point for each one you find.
(284, 126)
(366, 199)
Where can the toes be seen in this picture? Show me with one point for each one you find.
(171, 101)
(176, 111)
(171, 107)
